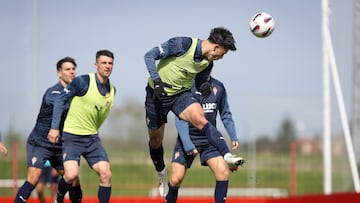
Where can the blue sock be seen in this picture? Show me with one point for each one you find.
(75, 194)
(221, 191)
(104, 194)
(24, 192)
(172, 195)
(157, 157)
(215, 138)
(63, 187)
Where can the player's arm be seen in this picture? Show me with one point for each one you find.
(3, 149)
(176, 46)
(183, 130)
(77, 87)
(226, 118)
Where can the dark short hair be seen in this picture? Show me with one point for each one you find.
(222, 37)
(64, 60)
(104, 52)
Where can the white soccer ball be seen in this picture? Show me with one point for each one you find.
(262, 24)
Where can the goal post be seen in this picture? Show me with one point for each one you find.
(330, 69)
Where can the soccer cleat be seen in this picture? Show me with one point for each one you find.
(232, 160)
(162, 184)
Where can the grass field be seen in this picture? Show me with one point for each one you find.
(134, 175)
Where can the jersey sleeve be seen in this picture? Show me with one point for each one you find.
(78, 87)
(49, 97)
(176, 46)
(183, 129)
(226, 115)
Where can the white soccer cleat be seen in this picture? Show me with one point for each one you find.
(162, 184)
(233, 160)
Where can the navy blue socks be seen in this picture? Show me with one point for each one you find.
(172, 195)
(215, 138)
(24, 192)
(157, 156)
(75, 194)
(62, 190)
(221, 188)
(104, 194)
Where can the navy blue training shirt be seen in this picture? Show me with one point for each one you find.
(43, 121)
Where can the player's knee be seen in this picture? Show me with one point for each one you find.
(199, 121)
(33, 180)
(105, 177)
(33, 175)
(70, 177)
(156, 140)
(223, 174)
(176, 181)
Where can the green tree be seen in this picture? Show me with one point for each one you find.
(285, 136)
(264, 144)
(11, 136)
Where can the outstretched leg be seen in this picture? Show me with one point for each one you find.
(194, 114)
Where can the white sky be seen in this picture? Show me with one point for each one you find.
(266, 79)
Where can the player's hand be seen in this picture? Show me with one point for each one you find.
(3, 149)
(54, 136)
(159, 90)
(235, 145)
(205, 90)
(193, 152)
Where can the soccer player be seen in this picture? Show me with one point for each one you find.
(181, 59)
(3, 148)
(209, 155)
(48, 176)
(38, 147)
(91, 96)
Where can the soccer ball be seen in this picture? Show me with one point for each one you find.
(262, 24)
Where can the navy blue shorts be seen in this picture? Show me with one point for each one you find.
(89, 146)
(47, 177)
(206, 151)
(37, 154)
(157, 111)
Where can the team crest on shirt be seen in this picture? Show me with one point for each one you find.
(215, 90)
(176, 155)
(33, 160)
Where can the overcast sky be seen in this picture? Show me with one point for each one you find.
(266, 79)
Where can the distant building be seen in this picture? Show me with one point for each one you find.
(314, 146)
(308, 146)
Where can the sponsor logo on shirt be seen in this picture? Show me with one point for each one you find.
(209, 107)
